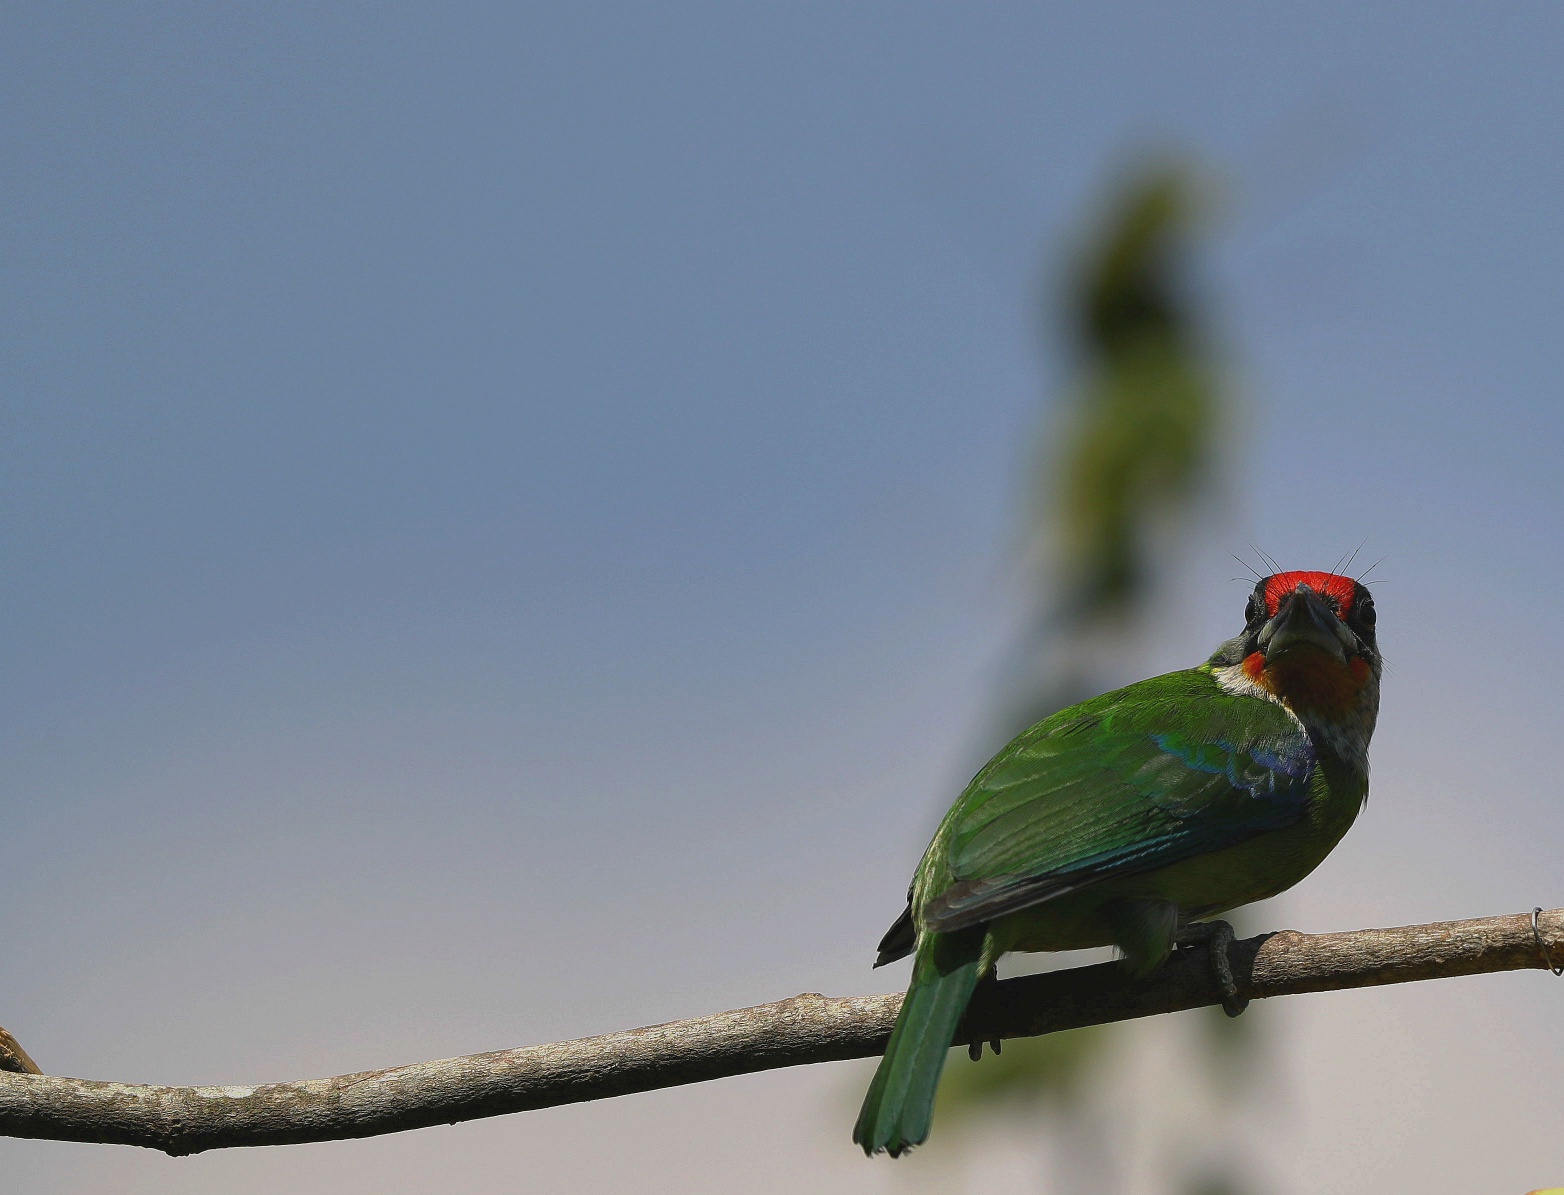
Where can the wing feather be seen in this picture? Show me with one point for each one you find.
(1128, 783)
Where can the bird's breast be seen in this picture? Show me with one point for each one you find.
(1310, 681)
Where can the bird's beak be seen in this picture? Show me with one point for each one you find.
(1304, 620)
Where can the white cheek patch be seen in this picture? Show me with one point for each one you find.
(1232, 679)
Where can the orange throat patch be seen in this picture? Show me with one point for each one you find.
(1309, 680)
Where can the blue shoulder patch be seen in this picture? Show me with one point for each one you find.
(1259, 771)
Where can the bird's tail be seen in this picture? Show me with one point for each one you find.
(900, 1102)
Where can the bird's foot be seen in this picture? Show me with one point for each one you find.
(975, 1049)
(1216, 937)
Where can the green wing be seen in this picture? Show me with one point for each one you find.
(1126, 783)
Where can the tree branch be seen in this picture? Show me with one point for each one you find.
(805, 1029)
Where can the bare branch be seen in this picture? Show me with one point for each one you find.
(805, 1029)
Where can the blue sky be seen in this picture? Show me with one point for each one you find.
(505, 518)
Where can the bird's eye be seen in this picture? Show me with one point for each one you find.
(1366, 614)
(1253, 610)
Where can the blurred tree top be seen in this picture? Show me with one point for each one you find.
(1139, 435)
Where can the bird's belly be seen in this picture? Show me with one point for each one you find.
(1203, 886)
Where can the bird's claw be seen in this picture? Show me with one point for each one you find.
(975, 1049)
(1216, 937)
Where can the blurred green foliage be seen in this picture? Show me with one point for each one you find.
(1032, 1073)
(1139, 434)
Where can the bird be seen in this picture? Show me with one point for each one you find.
(1134, 819)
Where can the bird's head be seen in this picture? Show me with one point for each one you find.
(1308, 642)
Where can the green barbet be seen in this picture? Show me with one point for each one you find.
(1130, 818)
